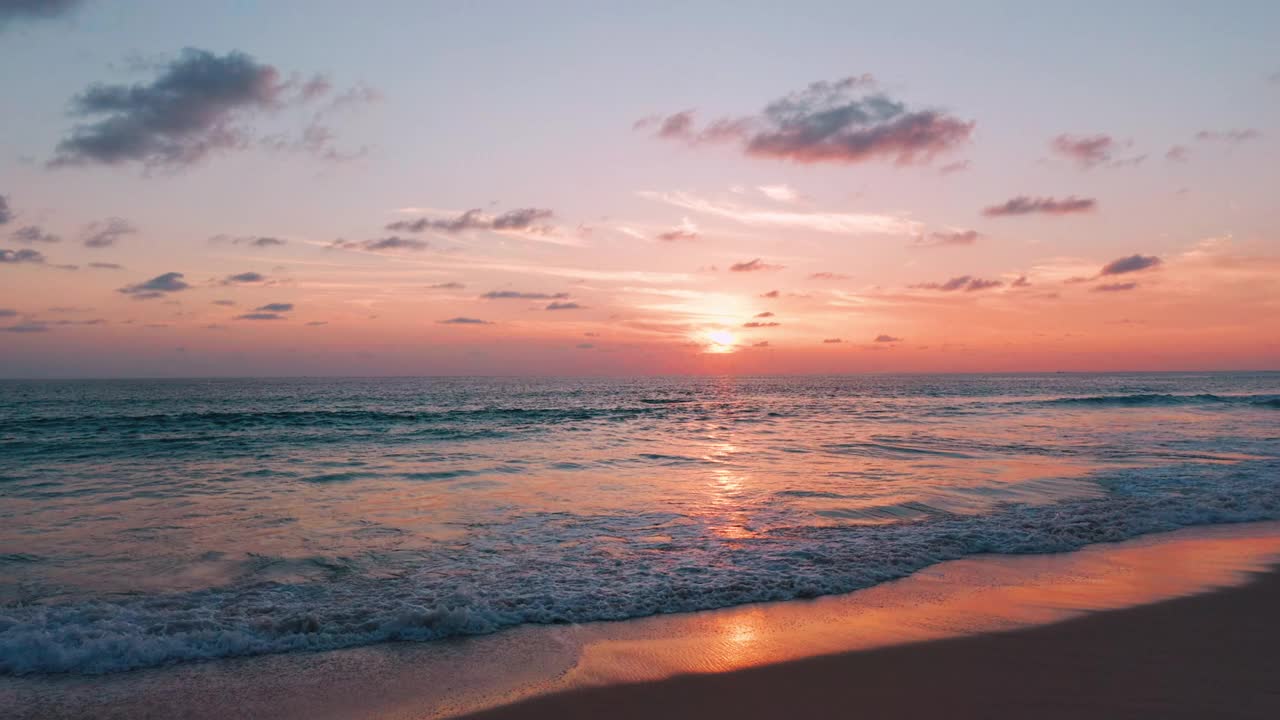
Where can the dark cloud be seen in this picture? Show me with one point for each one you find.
(394, 242)
(1115, 287)
(565, 306)
(761, 344)
(757, 324)
(516, 295)
(772, 294)
(188, 111)
(244, 277)
(1230, 136)
(464, 321)
(944, 239)
(1133, 263)
(275, 307)
(17, 10)
(887, 339)
(106, 266)
(447, 286)
(955, 167)
(1024, 205)
(261, 316)
(32, 234)
(1178, 153)
(1022, 281)
(832, 341)
(25, 255)
(839, 122)
(6, 312)
(765, 314)
(585, 346)
(753, 266)
(966, 283)
(830, 276)
(317, 323)
(33, 326)
(225, 303)
(156, 287)
(5, 213)
(476, 219)
(107, 232)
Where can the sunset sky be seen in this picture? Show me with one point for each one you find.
(307, 188)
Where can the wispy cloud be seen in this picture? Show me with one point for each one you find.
(1025, 205)
(948, 238)
(107, 232)
(261, 241)
(244, 277)
(887, 339)
(780, 193)
(1228, 136)
(819, 221)
(1114, 287)
(518, 295)
(523, 219)
(967, 283)
(686, 231)
(1092, 151)
(755, 265)
(33, 234)
(464, 321)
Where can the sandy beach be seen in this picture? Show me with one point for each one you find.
(1212, 655)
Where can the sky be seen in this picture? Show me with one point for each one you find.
(588, 188)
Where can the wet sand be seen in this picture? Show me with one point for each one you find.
(1212, 655)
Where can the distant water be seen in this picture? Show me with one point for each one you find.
(151, 522)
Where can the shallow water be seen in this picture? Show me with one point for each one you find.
(150, 522)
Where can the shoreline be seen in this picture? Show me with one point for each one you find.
(523, 672)
(1215, 654)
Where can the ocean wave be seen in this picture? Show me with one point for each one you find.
(1163, 399)
(512, 579)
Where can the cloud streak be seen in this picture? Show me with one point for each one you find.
(755, 265)
(967, 283)
(1025, 205)
(518, 220)
(1132, 263)
(829, 222)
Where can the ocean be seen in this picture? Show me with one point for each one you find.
(151, 522)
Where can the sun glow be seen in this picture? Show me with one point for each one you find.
(721, 341)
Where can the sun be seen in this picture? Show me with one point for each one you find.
(721, 341)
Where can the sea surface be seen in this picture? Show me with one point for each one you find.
(151, 522)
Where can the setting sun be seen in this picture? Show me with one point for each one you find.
(722, 341)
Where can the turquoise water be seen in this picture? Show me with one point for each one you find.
(149, 522)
